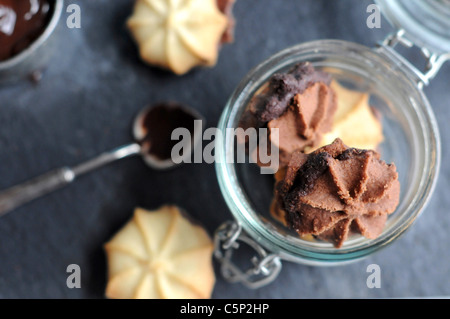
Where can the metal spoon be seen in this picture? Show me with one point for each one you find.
(23, 193)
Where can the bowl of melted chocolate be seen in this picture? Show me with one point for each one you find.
(26, 36)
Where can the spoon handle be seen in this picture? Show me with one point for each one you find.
(23, 193)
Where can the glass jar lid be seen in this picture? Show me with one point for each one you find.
(426, 22)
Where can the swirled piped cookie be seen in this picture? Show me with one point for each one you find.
(160, 255)
(179, 34)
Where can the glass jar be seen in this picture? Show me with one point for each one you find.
(412, 142)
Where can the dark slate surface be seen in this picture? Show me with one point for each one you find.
(85, 105)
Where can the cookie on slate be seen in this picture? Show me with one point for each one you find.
(160, 255)
(178, 35)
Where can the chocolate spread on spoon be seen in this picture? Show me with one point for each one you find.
(159, 123)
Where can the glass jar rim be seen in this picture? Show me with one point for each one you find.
(239, 204)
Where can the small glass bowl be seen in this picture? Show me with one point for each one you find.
(411, 141)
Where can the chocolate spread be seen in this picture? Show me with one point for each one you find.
(21, 23)
(158, 125)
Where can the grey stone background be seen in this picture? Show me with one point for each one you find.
(85, 105)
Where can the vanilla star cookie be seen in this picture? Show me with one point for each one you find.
(160, 255)
(178, 34)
